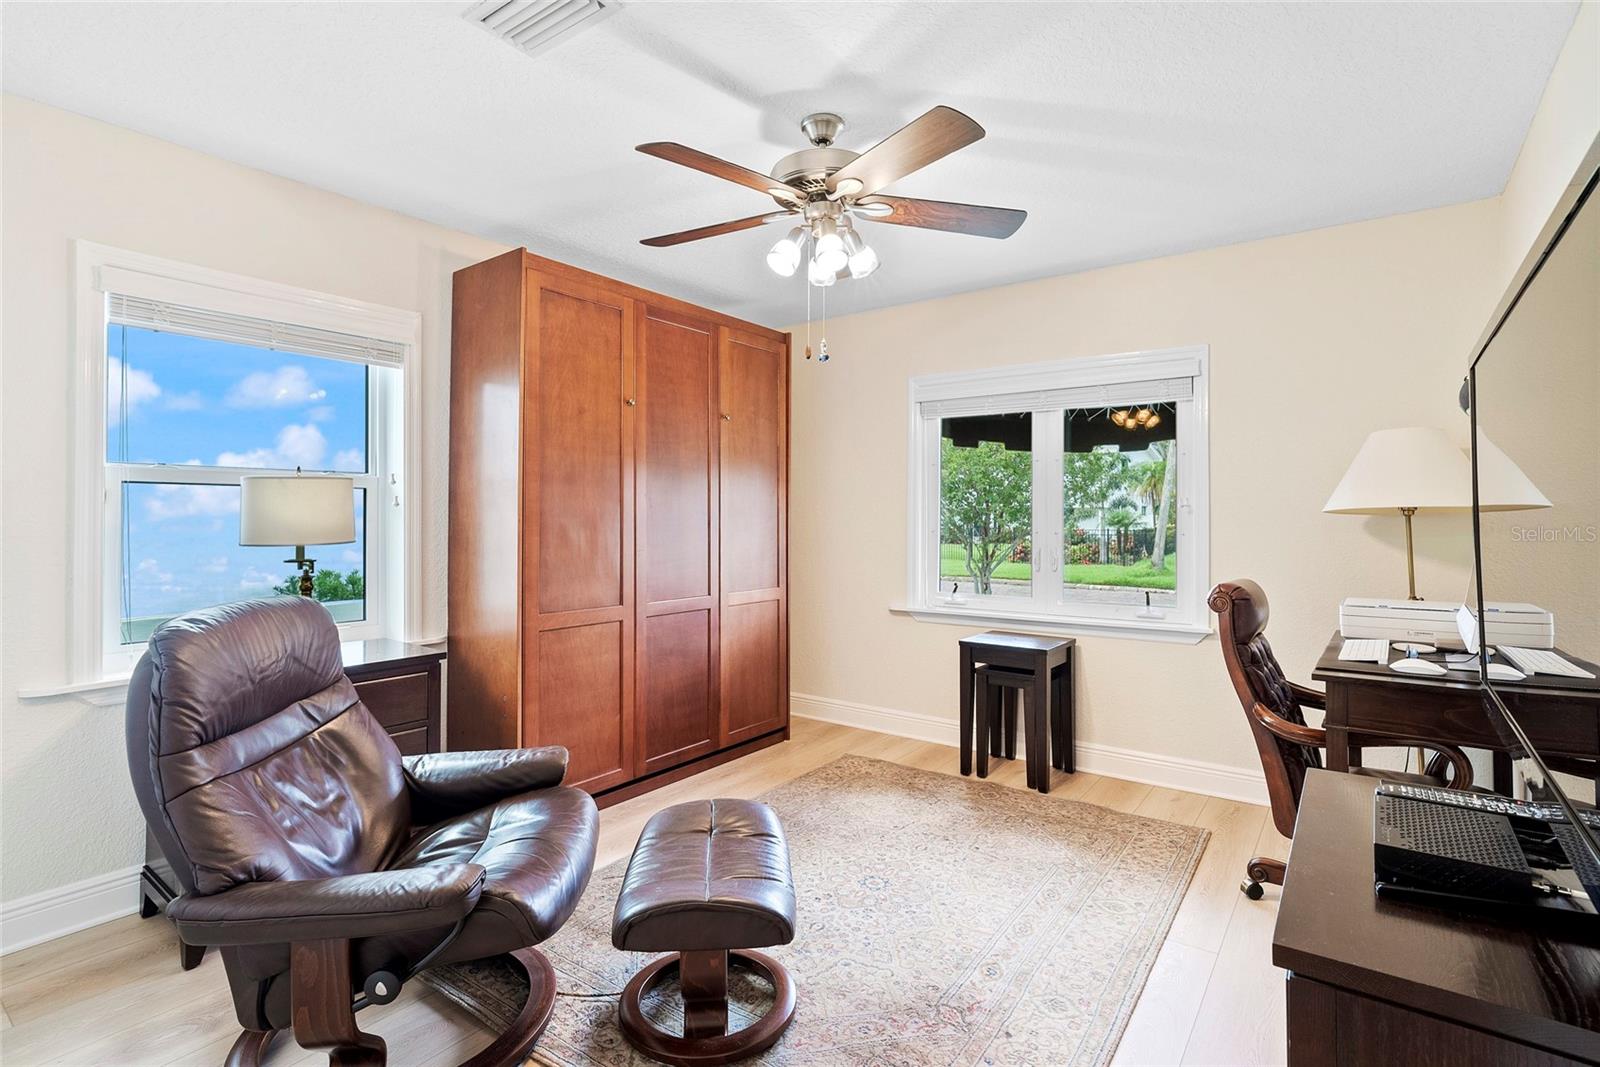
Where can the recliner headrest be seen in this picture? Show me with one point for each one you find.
(223, 669)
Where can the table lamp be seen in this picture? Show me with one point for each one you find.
(292, 509)
(1417, 468)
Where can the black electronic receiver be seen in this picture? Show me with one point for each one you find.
(1486, 854)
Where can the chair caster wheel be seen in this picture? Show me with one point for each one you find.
(1252, 890)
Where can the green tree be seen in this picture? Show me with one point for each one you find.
(1169, 488)
(1122, 519)
(1154, 481)
(1089, 482)
(329, 585)
(985, 504)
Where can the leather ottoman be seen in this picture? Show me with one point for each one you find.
(708, 880)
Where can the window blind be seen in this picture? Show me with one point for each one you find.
(243, 329)
(1116, 394)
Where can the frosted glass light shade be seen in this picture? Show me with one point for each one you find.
(296, 510)
(1411, 467)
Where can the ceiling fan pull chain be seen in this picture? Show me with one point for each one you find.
(808, 320)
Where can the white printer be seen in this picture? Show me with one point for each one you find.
(1434, 622)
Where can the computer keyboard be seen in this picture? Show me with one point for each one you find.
(1365, 649)
(1489, 802)
(1540, 661)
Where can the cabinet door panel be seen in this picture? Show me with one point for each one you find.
(752, 460)
(578, 527)
(676, 486)
(753, 466)
(677, 365)
(752, 670)
(579, 674)
(677, 666)
(580, 451)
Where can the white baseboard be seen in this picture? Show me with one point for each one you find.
(55, 913)
(67, 909)
(1150, 768)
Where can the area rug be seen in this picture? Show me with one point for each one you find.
(942, 921)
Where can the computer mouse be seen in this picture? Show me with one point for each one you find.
(1417, 666)
(1505, 672)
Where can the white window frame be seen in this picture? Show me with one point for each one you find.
(393, 527)
(1023, 388)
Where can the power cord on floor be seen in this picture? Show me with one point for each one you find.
(589, 996)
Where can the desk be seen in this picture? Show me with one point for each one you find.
(1380, 982)
(1561, 715)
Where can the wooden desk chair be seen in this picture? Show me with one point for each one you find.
(1289, 747)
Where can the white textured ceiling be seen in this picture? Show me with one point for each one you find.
(1126, 130)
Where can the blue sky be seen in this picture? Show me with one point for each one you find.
(183, 400)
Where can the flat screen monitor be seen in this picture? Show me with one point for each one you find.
(1533, 395)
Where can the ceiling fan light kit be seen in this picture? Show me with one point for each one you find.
(829, 187)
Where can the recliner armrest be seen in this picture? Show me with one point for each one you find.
(350, 906)
(451, 783)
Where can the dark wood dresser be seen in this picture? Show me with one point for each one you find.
(401, 684)
(1382, 982)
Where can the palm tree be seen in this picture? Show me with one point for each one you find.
(1169, 479)
(1121, 519)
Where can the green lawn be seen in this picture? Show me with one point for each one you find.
(953, 564)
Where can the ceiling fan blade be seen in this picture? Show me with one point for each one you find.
(975, 219)
(695, 159)
(715, 230)
(912, 147)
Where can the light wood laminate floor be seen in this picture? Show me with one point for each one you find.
(114, 994)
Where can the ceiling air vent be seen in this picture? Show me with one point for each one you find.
(534, 25)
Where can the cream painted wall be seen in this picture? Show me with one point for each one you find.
(68, 811)
(1302, 328)
(1563, 129)
(1316, 339)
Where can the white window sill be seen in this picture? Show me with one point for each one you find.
(1177, 633)
(101, 692)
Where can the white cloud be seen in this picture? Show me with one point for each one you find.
(349, 459)
(185, 402)
(320, 413)
(297, 446)
(215, 565)
(257, 580)
(284, 387)
(150, 569)
(352, 555)
(126, 385)
(186, 501)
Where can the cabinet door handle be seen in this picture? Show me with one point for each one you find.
(630, 401)
(726, 417)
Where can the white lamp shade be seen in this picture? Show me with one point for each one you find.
(1501, 484)
(296, 510)
(1411, 467)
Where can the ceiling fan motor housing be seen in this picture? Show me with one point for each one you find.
(808, 169)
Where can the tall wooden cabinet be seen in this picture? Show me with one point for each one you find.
(618, 525)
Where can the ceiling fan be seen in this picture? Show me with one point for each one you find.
(828, 188)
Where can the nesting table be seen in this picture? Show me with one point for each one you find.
(1040, 668)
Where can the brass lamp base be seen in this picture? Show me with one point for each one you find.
(1411, 562)
(308, 567)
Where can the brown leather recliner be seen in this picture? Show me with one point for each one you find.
(327, 867)
(1288, 746)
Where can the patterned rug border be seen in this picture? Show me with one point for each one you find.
(1183, 876)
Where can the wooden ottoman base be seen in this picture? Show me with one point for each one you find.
(703, 976)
